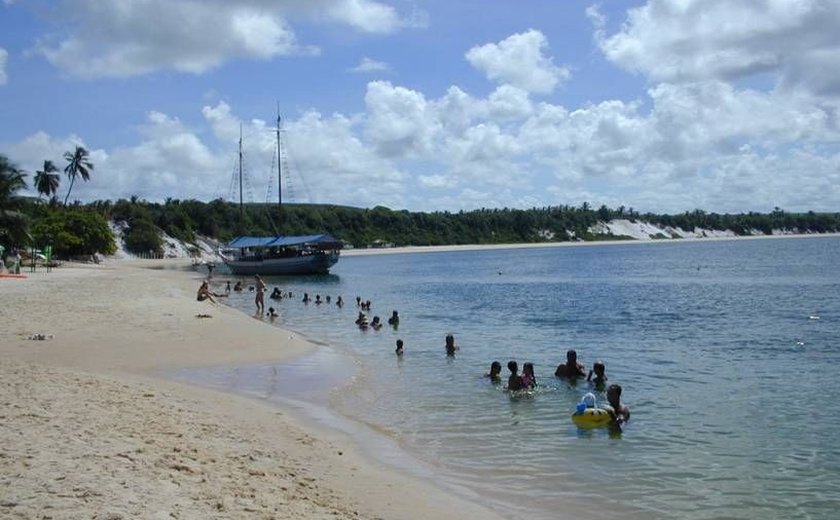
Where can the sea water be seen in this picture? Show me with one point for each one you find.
(727, 352)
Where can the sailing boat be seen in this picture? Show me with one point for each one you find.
(279, 254)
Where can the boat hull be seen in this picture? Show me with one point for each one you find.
(318, 263)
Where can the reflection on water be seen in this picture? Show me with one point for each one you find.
(732, 384)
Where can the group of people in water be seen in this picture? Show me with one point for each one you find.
(571, 370)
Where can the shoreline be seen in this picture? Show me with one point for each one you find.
(146, 442)
(590, 243)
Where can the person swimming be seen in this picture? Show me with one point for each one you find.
(571, 368)
(495, 374)
(339, 301)
(238, 287)
(394, 320)
(271, 313)
(399, 349)
(276, 294)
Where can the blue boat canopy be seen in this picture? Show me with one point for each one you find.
(243, 242)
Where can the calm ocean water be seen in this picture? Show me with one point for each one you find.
(728, 353)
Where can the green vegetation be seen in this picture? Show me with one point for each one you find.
(83, 230)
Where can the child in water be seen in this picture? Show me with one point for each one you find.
(399, 350)
(450, 345)
(600, 379)
(620, 413)
(495, 372)
(514, 381)
(529, 380)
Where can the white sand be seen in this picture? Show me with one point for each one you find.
(89, 430)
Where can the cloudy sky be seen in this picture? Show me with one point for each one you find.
(659, 105)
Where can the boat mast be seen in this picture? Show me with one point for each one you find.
(241, 206)
(279, 173)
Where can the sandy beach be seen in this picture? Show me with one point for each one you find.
(91, 429)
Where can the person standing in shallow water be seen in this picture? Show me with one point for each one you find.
(259, 299)
(529, 380)
(450, 345)
(514, 381)
(571, 369)
(620, 413)
(495, 374)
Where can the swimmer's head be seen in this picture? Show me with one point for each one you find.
(589, 400)
(495, 368)
(571, 356)
(599, 368)
(528, 368)
(513, 367)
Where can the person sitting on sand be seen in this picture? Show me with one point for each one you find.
(399, 349)
(620, 413)
(495, 374)
(600, 379)
(571, 369)
(394, 320)
(376, 324)
(450, 345)
(204, 292)
(271, 313)
(529, 380)
(514, 381)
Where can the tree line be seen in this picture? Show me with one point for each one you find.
(83, 229)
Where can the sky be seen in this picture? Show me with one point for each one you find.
(659, 105)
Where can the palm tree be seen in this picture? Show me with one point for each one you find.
(78, 164)
(12, 221)
(46, 181)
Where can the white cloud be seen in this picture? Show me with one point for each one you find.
(374, 17)
(519, 61)
(369, 65)
(3, 55)
(509, 103)
(690, 40)
(119, 39)
(399, 120)
(101, 38)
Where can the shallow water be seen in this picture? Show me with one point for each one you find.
(727, 352)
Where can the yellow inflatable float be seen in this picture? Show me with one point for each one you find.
(592, 418)
(588, 415)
